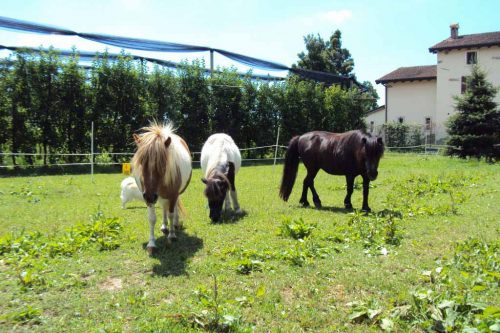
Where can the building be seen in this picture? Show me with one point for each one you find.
(423, 95)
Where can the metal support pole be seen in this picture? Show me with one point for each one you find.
(211, 62)
(92, 153)
(276, 148)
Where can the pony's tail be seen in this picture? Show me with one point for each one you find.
(290, 168)
(182, 210)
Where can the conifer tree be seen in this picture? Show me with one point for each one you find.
(475, 129)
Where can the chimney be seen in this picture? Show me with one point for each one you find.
(454, 30)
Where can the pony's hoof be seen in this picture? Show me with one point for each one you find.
(164, 231)
(366, 210)
(179, 226)
(151, 250)
(304, 203)
(238, 212)
(317, 204)
(348, 207)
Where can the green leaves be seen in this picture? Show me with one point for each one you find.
(296, 228)
(30, 254)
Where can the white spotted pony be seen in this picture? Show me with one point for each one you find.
(162, 170)
(220, 162)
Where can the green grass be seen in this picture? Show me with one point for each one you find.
(279, 268)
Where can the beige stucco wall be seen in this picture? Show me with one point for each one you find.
(412, 100)
(378, 119)
(451, 66)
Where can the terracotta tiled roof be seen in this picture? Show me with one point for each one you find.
(410, 74)
(468, 41)
(380, 108)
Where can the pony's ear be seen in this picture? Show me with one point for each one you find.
(137, 138)
(204, 180)
(363, 140)
(380, 141)
(168, 142)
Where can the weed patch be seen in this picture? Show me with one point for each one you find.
(460, 294)
(215, 314)
(295, 228)
(28, 254)
(429, 195)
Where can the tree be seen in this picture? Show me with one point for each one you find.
(195, 100)
(73, 107)
(474, 129)
(18, 87)
(371, 96)
(326, 56)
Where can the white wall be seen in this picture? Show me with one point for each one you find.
(412, 100)
(451, 67)
(378, 119)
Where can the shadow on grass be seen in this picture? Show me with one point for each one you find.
(330, 209)
(173, 257)
(231, 217)
(135, 207)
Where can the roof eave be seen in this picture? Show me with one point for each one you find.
(435, 49)
(406, 79)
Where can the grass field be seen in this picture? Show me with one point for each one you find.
(71, 260)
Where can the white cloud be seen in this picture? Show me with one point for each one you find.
(336, 16)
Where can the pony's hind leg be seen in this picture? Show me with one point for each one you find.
(151, 247)
(309, 184)
(303, 197)
(316, 200)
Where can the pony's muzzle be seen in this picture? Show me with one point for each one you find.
(150, 198)
(373, 175)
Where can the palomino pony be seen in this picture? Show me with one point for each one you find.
(220, 161)
(351, 154)
(162, 169)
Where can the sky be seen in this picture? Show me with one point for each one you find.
(381, 35)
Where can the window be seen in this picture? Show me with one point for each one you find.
(428, 123)
(471, 58)
(401, 120)
(463, 87)
(371, 126)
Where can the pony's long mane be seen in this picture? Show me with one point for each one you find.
(152, 153)
(212, 189)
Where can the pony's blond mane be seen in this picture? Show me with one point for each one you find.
(152, 153)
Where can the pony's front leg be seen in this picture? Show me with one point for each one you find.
(350, 188)
(173, 216)
(227, 203)
(366, 189)
(236, 204)
(164, 207)
(151, 247)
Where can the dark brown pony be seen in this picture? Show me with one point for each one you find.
(351, 154)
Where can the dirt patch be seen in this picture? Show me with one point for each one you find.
(111, 284)
(288, 295)
(336, 292)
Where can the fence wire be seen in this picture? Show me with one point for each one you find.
(418, 149)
